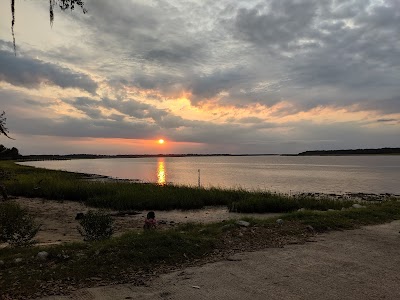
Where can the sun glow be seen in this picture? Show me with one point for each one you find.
(161, 141)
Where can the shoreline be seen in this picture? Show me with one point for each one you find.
(357, 196)
(334, 191)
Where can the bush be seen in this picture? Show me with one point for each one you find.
(17, 227)
(96, 225)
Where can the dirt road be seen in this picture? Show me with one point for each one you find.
(357, 264)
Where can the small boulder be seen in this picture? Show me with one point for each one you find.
(356, 205)
(42, 255)
(18, 260)
(1, 262)
(301, 209)
(227, 226)
(243, 223)
(279, 221)
(79, 216)
(310, 228)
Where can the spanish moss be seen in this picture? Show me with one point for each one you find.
(12, 25)
(51, 12)
(64, 5)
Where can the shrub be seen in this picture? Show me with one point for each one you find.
(96, 225)
(17, 227)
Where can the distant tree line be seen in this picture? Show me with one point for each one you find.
(9, 153)
(352, 152)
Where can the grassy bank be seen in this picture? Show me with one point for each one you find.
(136, 256)
(58, 185)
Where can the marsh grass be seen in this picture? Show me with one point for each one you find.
(121, 195)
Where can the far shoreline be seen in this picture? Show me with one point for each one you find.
(347, 152)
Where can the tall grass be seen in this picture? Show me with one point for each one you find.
(58, 185)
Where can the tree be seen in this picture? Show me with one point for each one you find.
(3, 128)
(3, 174)
(63, 4)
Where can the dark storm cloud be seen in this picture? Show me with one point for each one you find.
(276, 24)
(31, 73)
(333, 53)
(73, 127)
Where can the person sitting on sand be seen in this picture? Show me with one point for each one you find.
(150, 222)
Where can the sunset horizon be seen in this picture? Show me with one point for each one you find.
(279, 77)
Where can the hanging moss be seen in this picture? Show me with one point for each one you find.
(63, 4)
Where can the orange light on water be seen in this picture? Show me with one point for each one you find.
(161, 141)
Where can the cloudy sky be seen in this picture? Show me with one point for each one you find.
(272, 76)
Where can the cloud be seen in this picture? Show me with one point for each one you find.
(277, 25)
(31, 73)
(272, 60)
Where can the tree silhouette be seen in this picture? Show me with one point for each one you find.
(3, 128)
(63, 4)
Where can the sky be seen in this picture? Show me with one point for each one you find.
(272, 76)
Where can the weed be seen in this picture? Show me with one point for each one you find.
(17, 227)
(95, 226)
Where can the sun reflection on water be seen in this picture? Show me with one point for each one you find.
(161, 174)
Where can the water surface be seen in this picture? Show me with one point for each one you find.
(286, 174)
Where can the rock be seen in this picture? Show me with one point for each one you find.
(227, 226)
(301, 209)
(310, 228)
(1, 262)
(240, 234)
(195, 287)
(79, 216)
(356, 205)
(279, 221)
(18, 260)
(42, 255)
(344, 208)
(243, 223)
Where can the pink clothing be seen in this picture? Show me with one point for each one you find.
(150, 224)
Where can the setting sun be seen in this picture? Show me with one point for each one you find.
(161, 141)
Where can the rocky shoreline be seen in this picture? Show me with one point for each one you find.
(368, 197)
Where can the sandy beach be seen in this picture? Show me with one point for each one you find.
(58, 224)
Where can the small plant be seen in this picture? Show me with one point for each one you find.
(96, 225)
(17, 227)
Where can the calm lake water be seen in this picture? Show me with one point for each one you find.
(286, 174)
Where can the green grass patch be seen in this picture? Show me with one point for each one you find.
(269, 202)
(348, 219)
(108, 260)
